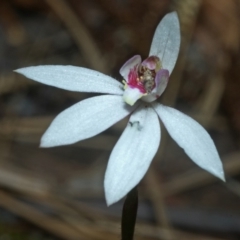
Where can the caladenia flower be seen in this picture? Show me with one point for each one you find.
(144, 81)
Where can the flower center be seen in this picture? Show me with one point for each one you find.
(146, 77)
(142, 79)
(142, 76)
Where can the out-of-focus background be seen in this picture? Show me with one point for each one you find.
(57, 193)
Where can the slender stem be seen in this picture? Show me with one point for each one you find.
(129, 214)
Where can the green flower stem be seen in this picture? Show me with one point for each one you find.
(129, 214)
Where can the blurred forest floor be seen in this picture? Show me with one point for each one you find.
(58, 193)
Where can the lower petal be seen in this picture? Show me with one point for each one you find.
(85, 119)
(132, 154)
(193, 138)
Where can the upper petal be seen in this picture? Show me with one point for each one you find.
(73, 78)
(166, 41)
(132, 154)
(193, 138)
(85, 119)
(130, 64)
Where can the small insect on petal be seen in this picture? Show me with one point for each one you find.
(132, 155)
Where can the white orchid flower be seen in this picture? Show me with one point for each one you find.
(144, 82)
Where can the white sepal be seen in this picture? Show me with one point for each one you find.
(166, 41)
(73, 78)
(85, 119)
(132, 155)
(193, 138)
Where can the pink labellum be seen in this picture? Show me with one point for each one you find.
(133, 80)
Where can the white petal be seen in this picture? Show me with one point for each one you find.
(73, 78)
(193, 138)
(132, 154)
(130, 64)
(85, 119)
(166, 41)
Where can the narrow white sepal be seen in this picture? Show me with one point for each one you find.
(132, 155)
(193, 138)
(85, 119)
(166, 41)
(73, 78)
